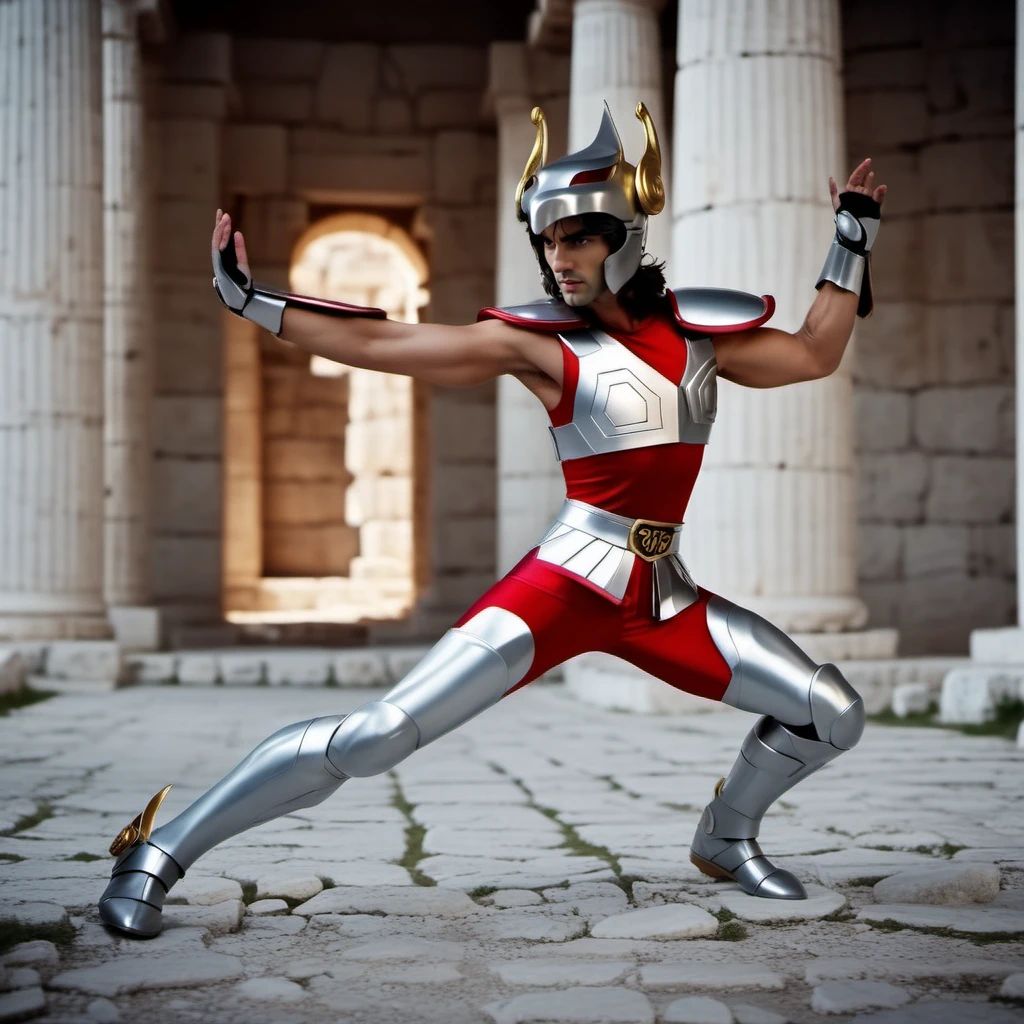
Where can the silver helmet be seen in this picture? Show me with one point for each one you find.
(596, 180)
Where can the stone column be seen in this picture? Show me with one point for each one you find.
(530, 485)
(51, 334)
(128, 357)
(758, 102)
(970, 694)
(616, 57)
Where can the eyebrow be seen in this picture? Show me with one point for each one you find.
(574, 237)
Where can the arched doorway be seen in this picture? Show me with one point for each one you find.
(342, 450)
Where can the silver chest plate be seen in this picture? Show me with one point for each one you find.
(623, 403)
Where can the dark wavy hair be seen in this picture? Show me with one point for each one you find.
(642, 295)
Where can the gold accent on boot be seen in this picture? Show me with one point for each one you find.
(718, 786)
(139, 828)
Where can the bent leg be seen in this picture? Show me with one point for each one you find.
(472, 667)
(811, 715)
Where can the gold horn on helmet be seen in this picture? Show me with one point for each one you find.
(538, 157)
(650, 189)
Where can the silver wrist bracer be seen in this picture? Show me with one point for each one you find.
(847, 268)
(265, 306)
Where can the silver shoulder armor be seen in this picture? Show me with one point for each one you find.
(549, 315)
(719, 310)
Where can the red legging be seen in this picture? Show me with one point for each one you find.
(569, 616)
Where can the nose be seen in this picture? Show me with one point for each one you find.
(561, 260)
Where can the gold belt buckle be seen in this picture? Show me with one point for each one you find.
(651, 540)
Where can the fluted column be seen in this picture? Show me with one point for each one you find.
(530, 485)
(51, 340)
(758, 102)
(999, 647)
(616, 57)
(128, 357)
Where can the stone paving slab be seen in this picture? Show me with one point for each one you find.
(554, 824)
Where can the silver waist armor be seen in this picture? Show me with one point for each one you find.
(602, 547)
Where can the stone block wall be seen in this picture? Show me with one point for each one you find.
(282, 133)
(929, 96)
(304, 475)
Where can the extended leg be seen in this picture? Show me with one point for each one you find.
(812, 715)
(468, 670)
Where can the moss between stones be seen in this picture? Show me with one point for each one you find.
(248, 892)
(43, 811)
(731, 930)
(414, 834)
(982, 939)
(10, 858)
(83, 856)
(13, 933)
(22, 698)
(1007, 715)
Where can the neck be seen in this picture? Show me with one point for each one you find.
(609, 311)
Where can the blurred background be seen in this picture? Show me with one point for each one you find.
(173, 477)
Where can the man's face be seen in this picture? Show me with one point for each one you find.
(576, 259)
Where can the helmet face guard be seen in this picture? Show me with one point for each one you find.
(596, 180)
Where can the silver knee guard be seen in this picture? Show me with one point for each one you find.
(772, 676)
(468, 669)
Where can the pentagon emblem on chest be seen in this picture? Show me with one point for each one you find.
(623, 403)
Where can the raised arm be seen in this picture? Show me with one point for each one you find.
(765, 357)
(362, 337)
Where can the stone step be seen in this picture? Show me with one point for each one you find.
(608, 682)
(276, 666)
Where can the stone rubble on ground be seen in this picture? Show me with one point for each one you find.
(851, 996)
(562, 885)
(941, 884)
(697, 1010)
(680, 921)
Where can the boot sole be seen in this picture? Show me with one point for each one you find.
(705, 867)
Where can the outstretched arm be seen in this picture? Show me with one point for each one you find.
(450, 356)
(765, 357)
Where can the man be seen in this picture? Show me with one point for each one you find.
(626, 372)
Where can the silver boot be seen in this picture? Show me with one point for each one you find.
(811, 715)
(286, 772)
(772, 760)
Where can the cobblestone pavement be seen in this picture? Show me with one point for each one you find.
(531, 867)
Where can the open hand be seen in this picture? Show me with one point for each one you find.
(861, 180)
(221, 237)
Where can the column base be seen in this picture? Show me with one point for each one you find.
(136, 628)
(54, 627)
(809, 614)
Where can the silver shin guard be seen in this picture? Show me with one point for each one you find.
(813, 715)
(286, 772)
